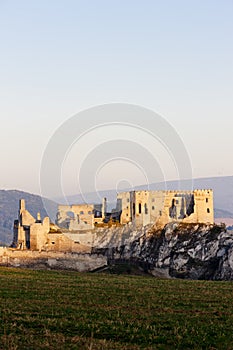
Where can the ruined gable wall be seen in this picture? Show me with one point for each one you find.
(26, 219)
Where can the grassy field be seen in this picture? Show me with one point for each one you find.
(68, 310)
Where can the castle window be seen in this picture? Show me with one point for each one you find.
(133, 208)
(208, 210)
(207, 200)
(90, 212)
(160, 212)
(128, 200)
(145, 208)
(81, 212)
(139, 208)
(153, 208)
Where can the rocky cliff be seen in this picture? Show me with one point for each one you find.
(190, 251)
(178, 250)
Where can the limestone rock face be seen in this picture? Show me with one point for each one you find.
(179, 250)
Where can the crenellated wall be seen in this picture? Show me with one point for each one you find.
(162, 207)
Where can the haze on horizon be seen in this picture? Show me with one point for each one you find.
(59, 58)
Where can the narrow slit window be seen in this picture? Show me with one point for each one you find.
(140, 208)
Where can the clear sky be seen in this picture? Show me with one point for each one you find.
(60, 57)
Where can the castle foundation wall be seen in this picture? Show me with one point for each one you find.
(51, 260)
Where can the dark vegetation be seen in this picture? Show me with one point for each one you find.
(68, 310)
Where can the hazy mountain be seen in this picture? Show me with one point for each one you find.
(218, 213)
(9, 206)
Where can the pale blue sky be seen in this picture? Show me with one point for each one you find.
(60, 57)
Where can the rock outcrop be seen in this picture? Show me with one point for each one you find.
(179, 250)
(188, 251)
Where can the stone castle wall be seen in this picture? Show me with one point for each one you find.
(51, 260)
(161, 207)
(78, 217)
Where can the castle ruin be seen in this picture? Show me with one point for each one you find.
(35, 234)
(137, 208)
(161, 207)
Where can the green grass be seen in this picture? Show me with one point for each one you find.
(68, 310)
